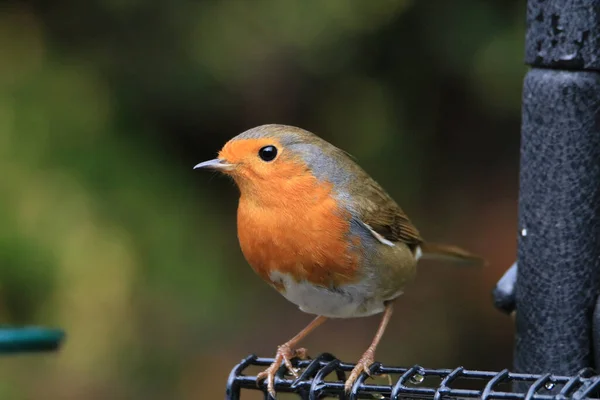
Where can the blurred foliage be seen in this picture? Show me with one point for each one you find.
(106, 231)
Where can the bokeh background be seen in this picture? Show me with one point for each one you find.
(107, 232)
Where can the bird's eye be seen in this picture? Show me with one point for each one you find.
(268, 153)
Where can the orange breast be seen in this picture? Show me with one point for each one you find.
(300, 231)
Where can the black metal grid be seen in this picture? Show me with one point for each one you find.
(410, 383)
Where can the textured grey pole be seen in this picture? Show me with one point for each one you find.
(558, 278)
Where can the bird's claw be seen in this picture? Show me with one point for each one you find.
(362, 365)
(283, 356)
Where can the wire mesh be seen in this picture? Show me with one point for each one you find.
(324, 376)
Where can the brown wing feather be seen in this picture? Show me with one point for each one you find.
(384, 215)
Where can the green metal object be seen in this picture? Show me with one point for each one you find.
(29, 339)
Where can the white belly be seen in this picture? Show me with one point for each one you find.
(347, 301)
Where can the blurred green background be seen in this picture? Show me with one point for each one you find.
(107, 232)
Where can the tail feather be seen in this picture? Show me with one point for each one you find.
(435, 251)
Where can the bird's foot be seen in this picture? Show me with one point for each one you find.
(283, 356)
(362, 366)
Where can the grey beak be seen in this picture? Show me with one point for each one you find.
(217, 164)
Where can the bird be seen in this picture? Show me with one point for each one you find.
(322, 232)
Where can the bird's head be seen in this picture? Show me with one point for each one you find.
(270, 160)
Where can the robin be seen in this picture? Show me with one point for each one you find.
(317, 228)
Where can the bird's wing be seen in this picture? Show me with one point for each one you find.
(382, 216)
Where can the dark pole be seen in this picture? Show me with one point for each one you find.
(558, 279)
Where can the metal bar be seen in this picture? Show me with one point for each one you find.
(29, 339)
(444, 384)
(373, 370)
(504, 292)
(558, 278)
(575, 382)
(400, 386)
(318, 382)
(537, 385)
(489, 388)
(233, 384)
(589, 389)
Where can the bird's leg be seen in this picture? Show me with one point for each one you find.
(368, 358)
(285, 353)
